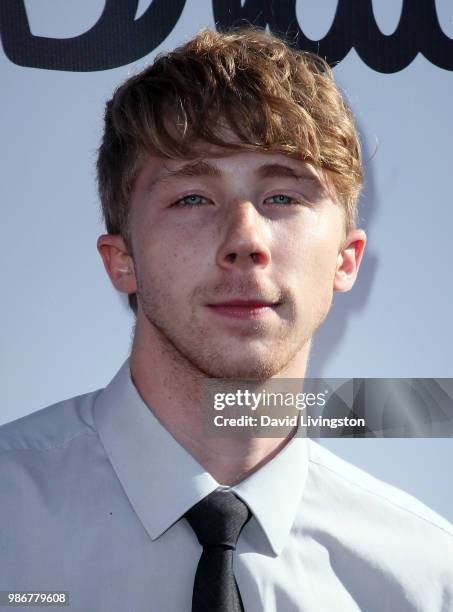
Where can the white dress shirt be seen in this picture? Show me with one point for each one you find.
(94, 491)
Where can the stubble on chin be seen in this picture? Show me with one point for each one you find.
(190, 345)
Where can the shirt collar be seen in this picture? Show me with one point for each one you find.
(162, 480)
(273, 493)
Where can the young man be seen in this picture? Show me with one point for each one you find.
(229, 174)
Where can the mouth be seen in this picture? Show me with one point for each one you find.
(244, 309)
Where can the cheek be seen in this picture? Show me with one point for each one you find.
(310, 252)
(171, 257)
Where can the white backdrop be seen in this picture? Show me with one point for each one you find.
(64, 330)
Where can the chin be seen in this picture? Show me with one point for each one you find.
(254, 360)
(243, 368)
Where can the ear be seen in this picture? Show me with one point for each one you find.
(117, 262)
(348, 260)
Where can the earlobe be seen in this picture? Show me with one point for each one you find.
(349, 259)
(118, 263)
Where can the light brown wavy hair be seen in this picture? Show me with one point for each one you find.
(272, 96)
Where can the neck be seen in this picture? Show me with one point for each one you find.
(172, 388)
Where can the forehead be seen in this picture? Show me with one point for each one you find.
(214, 162)
(226, 148)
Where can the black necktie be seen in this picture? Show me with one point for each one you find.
(217, 521)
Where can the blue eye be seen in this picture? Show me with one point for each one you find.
(191, 200)
(280, 198)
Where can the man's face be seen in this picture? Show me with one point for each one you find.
(234, 258)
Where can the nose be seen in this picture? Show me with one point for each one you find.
(245, 242)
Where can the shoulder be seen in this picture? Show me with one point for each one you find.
(380, 540)
(51, 427)
(372, 494)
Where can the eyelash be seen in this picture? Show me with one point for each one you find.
(195, 195)
(187, 204)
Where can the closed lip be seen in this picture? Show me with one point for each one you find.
(245, 304)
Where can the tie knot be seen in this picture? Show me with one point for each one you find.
(218, 519)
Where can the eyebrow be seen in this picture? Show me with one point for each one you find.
(204, 168)
(196, 168)
(283, 171)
